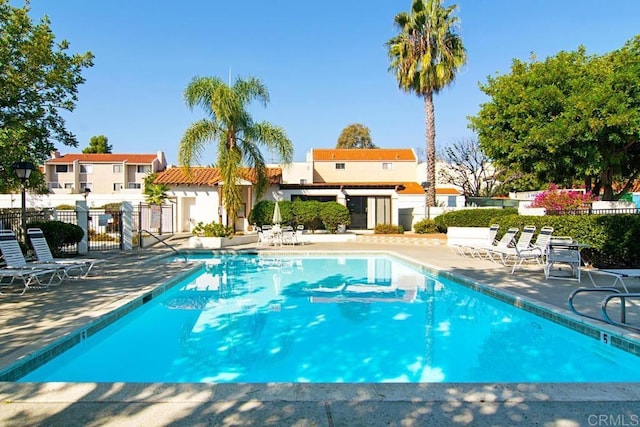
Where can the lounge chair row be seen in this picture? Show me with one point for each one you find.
(46, 271)
(509, 250)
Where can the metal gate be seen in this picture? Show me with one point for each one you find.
(104, 230)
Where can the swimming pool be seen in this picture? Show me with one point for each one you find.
(378, 319)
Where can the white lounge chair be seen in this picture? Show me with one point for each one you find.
(484, 251)
(14, 258)
(462, 240)
(30, 277)
(619, 276)
(17, 267)
(537, 252)
(524, 242)
(83, 266)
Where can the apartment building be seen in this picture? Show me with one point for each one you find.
(378, 186)
(101, 173)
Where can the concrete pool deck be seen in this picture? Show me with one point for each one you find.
(41, 317)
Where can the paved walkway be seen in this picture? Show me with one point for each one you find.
(38, 318)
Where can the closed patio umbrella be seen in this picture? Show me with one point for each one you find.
(277, 218)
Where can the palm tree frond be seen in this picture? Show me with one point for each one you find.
(194, 141)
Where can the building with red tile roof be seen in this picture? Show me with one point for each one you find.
(102, 173)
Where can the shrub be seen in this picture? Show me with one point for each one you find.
(65, 207)
(101, 237)
(59, 234)
(470, 218)
(307, 213)
(334, 214)
(388, 229)
(212, 230)
(555, 199)
(612, 238)
(260, 213)
(111, 207)
(425, 226)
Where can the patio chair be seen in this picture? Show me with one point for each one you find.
(30, 277)
(288, 235)
(17, 267)
(484, 251)
(14, 258)
(619, 275)
(537, 252)
(44, 256)
(462, 240)
(298, 236)
(524, 242)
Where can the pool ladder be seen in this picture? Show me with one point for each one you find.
(612, 294)
(161, 241)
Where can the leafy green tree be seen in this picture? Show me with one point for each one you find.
(355, 135)
(572, 117)
(98, 144)
(38, 79)
(238, 137)
(425, 57)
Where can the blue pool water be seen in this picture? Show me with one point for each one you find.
(332, 319)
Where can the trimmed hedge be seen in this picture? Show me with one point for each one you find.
(613, 238)
(311, 213)
(470, 218)
(58, 234)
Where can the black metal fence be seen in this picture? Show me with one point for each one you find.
(105, 227)
(11, 219)
(589, 211)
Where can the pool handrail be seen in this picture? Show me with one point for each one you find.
(186, 259)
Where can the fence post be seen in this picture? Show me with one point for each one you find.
(127, 225)
(82, 219)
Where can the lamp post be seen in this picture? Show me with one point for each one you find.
(23, 172)
(425, 185)
(86, 192)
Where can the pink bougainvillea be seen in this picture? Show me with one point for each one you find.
(555, 199)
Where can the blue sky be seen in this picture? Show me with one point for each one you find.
(324, 63)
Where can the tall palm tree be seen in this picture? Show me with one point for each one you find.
(425, 56)
(239, 138)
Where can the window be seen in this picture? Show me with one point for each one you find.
(86, 168)
(117, 168)
(62, 168)
(53, 185)
(117, 186)
(85, 185)
(387, 166)
(134, 185)
(143, 169)
(68, 185)
(340, 166)
(303, 181)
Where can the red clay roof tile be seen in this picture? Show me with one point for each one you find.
(104, 158)
(209, 176)
(366, 154)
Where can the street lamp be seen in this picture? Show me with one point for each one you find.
(23, 172)
(86, 192)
